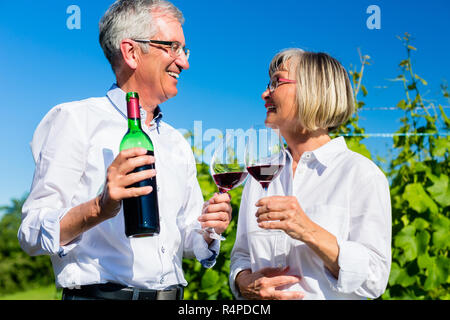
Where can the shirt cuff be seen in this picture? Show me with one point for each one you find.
(50, 239)
(353, 262)
(233, 275)
(205, 254)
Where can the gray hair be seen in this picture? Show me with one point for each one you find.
(131, 19)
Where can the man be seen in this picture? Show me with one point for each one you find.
(74, 214)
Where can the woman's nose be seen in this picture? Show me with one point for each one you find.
(266, 94)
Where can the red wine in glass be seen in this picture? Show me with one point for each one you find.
(264, 154)
(229, 180)
(264, 174)
(228, 170)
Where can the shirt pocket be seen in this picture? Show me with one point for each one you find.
(332, 218)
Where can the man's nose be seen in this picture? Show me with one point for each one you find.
(182, 61)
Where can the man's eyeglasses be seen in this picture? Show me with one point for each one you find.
(175, 47)
(275, 82)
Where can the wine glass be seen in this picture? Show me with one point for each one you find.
(265, 155)
(228, 170)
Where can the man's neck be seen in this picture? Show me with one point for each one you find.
(145, 99)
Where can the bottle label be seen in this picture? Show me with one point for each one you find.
(133, 109)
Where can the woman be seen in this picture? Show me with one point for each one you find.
(331, 204)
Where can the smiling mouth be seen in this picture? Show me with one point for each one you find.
(271, 108)
(173, 74)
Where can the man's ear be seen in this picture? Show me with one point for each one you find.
(129, 53)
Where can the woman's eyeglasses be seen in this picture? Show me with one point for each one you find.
(276, 82)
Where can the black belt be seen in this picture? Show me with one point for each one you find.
(113, 291)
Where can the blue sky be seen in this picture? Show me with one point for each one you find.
(43, 63)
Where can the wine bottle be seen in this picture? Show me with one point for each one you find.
(141, 213)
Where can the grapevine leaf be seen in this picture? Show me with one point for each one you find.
(420, 223)
(406, 240)
(437, 273)
(441, 239)
(442, 145)
(421, 167)
(440, 190)
(209, 281)
(418, 199)
(395, 272)
(364, 90)
(444, 116)
(404, 279)
(425, 261)
(402, 104)
(404, 62)
(441, 236)
(424, 82)
(422, 239)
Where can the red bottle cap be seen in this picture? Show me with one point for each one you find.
(133, 108)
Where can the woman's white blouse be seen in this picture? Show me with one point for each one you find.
(346, 194)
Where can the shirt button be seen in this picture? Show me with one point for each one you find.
(163, 249)
(161, 281)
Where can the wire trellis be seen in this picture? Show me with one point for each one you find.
(391, 135)
(396, 108)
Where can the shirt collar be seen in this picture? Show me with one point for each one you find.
(326, 153)
(118, 99)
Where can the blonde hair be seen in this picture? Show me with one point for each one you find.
(324, 97)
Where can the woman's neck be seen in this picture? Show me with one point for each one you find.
(299, 143)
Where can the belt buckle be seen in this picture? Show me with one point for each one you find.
(135, 294)
(166, 294)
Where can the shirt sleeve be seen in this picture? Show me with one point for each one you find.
(240, 255)
(194, 243)
(58, 149)
(365, 256)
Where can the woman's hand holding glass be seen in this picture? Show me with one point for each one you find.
(263, 284)
(284, 213)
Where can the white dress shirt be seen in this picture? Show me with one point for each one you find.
(73, 146)
(346, 194)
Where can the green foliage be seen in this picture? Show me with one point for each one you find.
(420, 195)
(351, 129)
(18, 271)
(49, 292)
